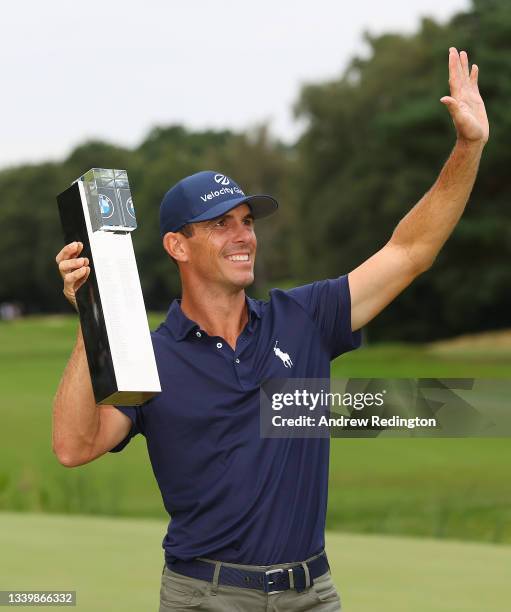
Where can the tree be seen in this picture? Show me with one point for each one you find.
(375, 142)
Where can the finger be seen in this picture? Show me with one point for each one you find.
(451, 103)
(73, 277)
(79, 278)
(454, 71)
(464, 63)
(70, 250)
(83, 279)
(474, 74)
(68, 265)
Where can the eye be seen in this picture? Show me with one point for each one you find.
(220, 223)
(248, 221)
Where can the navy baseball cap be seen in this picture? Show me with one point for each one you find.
(206, 195)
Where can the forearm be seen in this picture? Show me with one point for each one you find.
(75, 414)
(425, 229)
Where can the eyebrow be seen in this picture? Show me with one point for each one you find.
(228, 215)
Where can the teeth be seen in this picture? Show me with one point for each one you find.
(238, 257)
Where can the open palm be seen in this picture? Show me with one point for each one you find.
(465, 103)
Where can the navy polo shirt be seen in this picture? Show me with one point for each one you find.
(232, 495)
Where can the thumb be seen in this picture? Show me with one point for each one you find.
(451, 103)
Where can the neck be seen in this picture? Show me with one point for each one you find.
(217, 312)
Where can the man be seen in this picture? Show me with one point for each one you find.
(248, 513)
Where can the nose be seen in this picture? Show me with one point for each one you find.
(243, 233)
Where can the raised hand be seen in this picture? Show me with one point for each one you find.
(465, 103)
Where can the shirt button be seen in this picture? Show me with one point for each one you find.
(218, 345)
(198, 334)
(237, 360)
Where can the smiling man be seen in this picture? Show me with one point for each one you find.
(248, 513)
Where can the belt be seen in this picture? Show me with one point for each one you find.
(270, 581)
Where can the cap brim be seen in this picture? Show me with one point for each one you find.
(260, 205)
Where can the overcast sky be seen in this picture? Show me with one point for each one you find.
(109, 69)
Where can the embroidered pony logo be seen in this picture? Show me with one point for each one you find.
(284, 357)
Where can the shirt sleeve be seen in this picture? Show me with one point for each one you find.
(135, 414)
(328, 304)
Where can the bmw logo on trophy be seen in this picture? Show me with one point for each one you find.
(98, 211)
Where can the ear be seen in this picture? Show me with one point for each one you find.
(175, 245)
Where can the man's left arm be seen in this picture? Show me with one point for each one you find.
(421, 234)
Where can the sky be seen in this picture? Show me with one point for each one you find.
(112, 70)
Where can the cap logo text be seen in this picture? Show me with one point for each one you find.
(219, 192)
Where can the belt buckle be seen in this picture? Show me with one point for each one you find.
(268, 582)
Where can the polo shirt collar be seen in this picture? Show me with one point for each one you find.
(180, 325)
(254, 312)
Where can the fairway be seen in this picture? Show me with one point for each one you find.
(115, 564)
(421, 487)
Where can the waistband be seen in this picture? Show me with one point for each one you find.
(269, 579)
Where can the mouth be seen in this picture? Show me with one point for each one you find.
(238, 257)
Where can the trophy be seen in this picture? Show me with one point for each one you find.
(97, 210)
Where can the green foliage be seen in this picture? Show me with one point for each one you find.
(31, 233)
(375, 142)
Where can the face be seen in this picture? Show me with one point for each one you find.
(223, 250)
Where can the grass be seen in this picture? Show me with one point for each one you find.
(441, 488)
(424, 361)
(115, 564)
